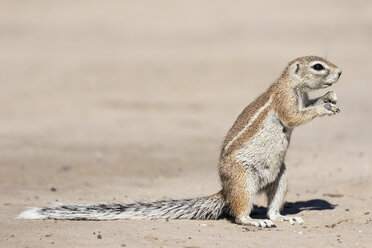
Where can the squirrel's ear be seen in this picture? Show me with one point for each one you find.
(297, 68)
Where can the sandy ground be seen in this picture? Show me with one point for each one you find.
(122, 101)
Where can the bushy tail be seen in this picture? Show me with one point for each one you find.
(209, 207)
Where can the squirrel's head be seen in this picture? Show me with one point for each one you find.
(312, 72)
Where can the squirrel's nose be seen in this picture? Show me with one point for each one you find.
(339, 74)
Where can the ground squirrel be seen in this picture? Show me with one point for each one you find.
(251, 160)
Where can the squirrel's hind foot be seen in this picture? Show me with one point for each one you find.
(290, 219)
(255, 222)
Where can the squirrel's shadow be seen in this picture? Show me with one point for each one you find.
(297, 207)
(290, 208)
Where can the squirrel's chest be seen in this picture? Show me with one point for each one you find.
(264, 152)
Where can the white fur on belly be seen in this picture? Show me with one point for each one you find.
(264, 152)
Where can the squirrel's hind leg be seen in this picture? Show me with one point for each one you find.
(275, 197)
(239, 190)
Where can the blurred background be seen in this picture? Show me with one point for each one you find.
(130, 100)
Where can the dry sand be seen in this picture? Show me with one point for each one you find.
(121, 101)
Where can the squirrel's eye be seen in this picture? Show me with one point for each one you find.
(318, 67)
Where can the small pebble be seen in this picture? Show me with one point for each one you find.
(65, 168)
(99, 236)
(53, 189)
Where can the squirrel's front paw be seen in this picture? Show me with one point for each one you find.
(330, 97)
(330, 109)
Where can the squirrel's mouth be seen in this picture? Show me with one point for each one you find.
(325, 85)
